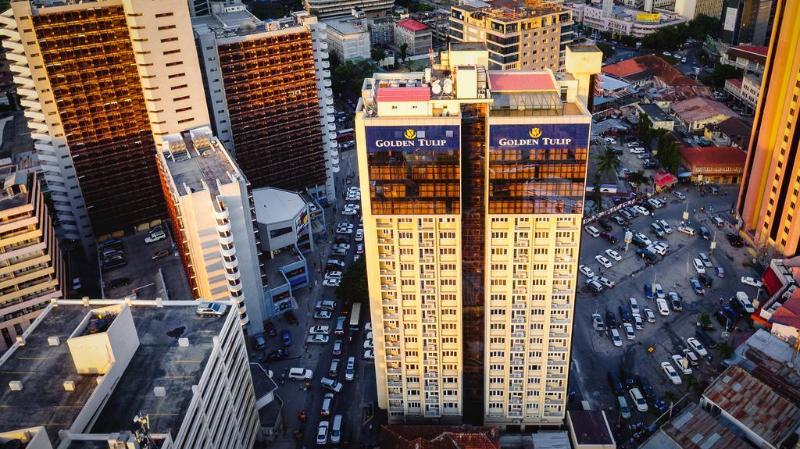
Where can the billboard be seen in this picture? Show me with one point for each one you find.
(730, 19)
(648, 17)
(413, 139)
(539, 137)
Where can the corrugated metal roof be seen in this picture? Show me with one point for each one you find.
(694, 428)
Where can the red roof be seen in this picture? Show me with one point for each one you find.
(789, 313)
(664, 179)
(412, 25)
(737, 83)
(755, 49)
(624, 68)
(510, 81)
(696, 157)
(403, 94)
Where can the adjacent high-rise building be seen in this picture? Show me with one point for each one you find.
(747, 21)
(519, 36)
(768, 200)
(102, 82)
(211, 212)
(473, 184)
(31, 265)
(88, 372)
(269, 92)
(325, 9)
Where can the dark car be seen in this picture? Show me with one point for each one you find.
(604, 224)
(648, 256)
(611, 319)
(735, 240)
(160, 254)
(290, 318)
(697, 287)
(608, 237)
(705, 338)
(269, 328)
(650, 164)
(706, 280)
(259, 342)
(278, 354)
(647, 390)
(117, 283)
(286, 337)
(660, 404)
(705, 233)
(616, 385)
(624, 314)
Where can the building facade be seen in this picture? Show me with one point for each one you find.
(523, 38)
(115, 361)
(101, 83)
(211, 212)
(471, 268)
(333, 8)
(710, 8)
(768, 199)
(415, 36)
(349, 38)
(32, 271)
(747, 21)
(269, 91)
(625, 21)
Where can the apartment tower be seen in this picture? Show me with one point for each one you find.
(101, 83)
(768, 204)
(31, 266)
(473, 184)
(211, 212)
(519, 36)
(270, 96)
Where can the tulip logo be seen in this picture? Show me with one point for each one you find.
(410, 134)
(535, 133)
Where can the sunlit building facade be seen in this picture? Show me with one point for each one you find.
(473, 184)
(768, 204)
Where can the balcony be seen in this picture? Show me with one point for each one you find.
(522, 243)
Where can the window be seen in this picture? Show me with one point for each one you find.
(166, 27)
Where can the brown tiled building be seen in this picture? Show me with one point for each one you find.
(718, 165)
(439, 437)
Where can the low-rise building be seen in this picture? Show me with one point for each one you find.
(695, 114)
(589, 429)
(381, 31)
(745, 90)
(659, 118)
(349, 38)
(416, 36)
(750, 58)
(210, 209)
(733, 132)
(32, 268)
(766, 417)
(434, 437)
(717, 165)
(694, 428)
(624, 20)
(88, 371)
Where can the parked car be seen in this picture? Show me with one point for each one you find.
(649, 315)
(613, 254)
(300, 374)
(696, 346)
(720, 272)
(697, 287)
(682, 363)
(286, 338)
(749, 280)
(586, 271)
(671, 374)
(322, 433)
(331, 384)
(663, 308)
(698, 265)
(317, 338)
(615, 338)
(206, 308)
(638, 400)
(597, 323)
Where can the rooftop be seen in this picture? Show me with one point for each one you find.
(15, 185)
(700, 108)
(227, 21)
(521, 81)
(412, 25)
(789, 313)
(158, 361)
(347, 25)
(753, 53)
(512, 10)
(439, 437)
(754, 404)
(655, 112)
(694, 428)
(275, 205)
(713, 156)
(647, 66)
(467, 46)
(197, 161)
(590, 427)
(735, 127)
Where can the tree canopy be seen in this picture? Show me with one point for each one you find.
(353, 287)
(671, 38)
(347, 77)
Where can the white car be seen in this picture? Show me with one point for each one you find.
(369, 354)
(699, 267)
(359, 235)
(665, 226)
(322, 315)
(586, 271)
(322, 433)
(747, 280)
(602, 261)
(637, 150)
(615, 338)
(688, 230)
(658, 249)
(331, 282)
(682, 363)
(316, 338)
(368, 326)
(368, 344)
(156, 236)
(613, 254)
(671, 373)
(637, 321)
(659, 291)
(634, 306)
(319, 330)
(642, 210)
(697, 346)
(646, 240)
(629, 333)
(663, 308)
(638, 400)
(706, 261)
(604, 281)
(649, 315)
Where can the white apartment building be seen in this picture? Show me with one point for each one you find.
(349, 38)
(32, 268)
(325, 9)
(472, 278)
(101, 83)
(111, 361)
(270, 95)
(211, 210)
(625, 21)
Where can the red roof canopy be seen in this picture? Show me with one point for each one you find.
(510, 81)
(403, 94)
(412, 25)
(713, 156)
(664, 179)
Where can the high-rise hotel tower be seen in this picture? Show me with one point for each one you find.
(473, 186)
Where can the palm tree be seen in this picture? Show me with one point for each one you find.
(607, 162)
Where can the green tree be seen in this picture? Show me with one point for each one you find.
(403, 50)
(347, 78)
(638, 178)
(667, 152)
(608, 50)
(721, 73)
(353, 287)
(607, 162)
(377, 53)
(644, 129)
(671, 38)
(725, 350)
(597, 196)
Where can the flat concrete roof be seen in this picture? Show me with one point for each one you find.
(276, 205)
(347, 25)
(158, 361)
(200, 168)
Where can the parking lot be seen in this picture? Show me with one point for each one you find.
(140, 273)
(594, 354)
